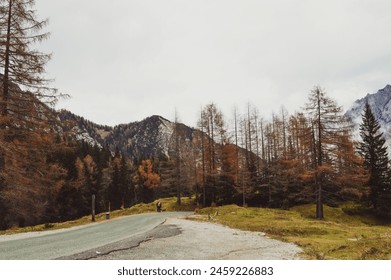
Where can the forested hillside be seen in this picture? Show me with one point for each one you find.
(52, 163)
(308, 157)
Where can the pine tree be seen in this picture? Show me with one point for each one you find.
(374, 152)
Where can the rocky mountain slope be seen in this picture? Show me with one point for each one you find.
(380, 103)
(150, 137)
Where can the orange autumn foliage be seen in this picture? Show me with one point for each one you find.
(147, 175)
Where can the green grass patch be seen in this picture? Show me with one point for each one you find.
(343, 234)
(168, 204)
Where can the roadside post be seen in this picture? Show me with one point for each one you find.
(93, 208)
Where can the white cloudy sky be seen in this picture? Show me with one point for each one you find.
(124, 60)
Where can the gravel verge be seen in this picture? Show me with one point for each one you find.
(181, 239)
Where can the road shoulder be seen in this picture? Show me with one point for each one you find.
(182, 239)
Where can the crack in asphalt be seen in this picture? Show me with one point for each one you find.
(160, 231)
(117, 250)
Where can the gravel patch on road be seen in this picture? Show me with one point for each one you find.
(180, 239)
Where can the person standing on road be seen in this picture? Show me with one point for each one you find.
(159, 206)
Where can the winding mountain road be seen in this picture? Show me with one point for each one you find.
(154, 236)
(62, 243)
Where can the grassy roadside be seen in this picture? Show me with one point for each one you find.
(339, 236)
(169, 204)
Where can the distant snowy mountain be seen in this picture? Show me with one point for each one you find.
(380, 103)
(137, 140)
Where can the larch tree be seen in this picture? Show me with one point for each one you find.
(146, 180)
(374, 153)
(351, 176)
(126, 186)
(212, 138)
(326, 118)
(177, 155)
(202, 144)
(213, 122)
(24, 112)
(178, 170)
(21, 30)
(22, 66)
(114, 190)
(252, 147)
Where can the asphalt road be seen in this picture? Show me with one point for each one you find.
(61, 244)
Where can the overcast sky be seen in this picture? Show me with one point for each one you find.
(124, 60)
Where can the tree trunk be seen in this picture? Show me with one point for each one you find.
(4, 110)
(93, 208)
(319, 202)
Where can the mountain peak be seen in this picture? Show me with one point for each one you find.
(380, 103)
(141, 139)
(156, 118)
(386, 89)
